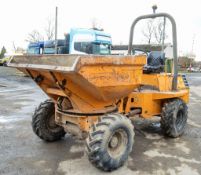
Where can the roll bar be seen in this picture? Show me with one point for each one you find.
(174, 38)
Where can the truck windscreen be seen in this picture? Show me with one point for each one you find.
(92, 48)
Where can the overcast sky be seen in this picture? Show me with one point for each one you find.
(20, 17)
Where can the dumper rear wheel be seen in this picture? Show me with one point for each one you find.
(174, 117)
(43, 122)
(110, 141)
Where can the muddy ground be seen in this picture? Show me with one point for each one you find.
(23, 153)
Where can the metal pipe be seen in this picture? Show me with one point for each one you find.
(163, 34)
(56, 15)
(134, 112)
(174, 36)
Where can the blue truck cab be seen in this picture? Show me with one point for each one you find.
(35, 48)
(77, 41)
(89, 41)
(49, 47)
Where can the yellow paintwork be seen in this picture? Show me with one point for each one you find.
(151, 102)
(162, 81)
(98, 82)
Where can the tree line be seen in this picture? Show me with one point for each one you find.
(48, 32)
(153, 31)
(3, 51)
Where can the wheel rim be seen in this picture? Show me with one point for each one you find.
(117, 143)
(51, 124)
(180, 120)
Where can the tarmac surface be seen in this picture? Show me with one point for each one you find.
(23, 153)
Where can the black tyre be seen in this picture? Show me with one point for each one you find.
(43, 122)
(174, 117)
(5, 64)
(110, 142)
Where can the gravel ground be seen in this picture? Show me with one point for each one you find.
(23, 153)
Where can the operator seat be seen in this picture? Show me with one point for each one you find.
(155, 62)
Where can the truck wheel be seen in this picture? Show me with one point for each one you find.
(43, 122)
(110, 141)
(174, 117)
(5, 64)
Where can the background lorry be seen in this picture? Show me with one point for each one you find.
(35, 48)
(78, 41)
(49, 47)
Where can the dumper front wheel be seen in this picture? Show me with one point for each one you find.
(43, 122)
(110, 141)
(174, 118)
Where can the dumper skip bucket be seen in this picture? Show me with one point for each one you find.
(93, 79)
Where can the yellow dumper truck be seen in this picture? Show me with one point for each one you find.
(94, 96)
